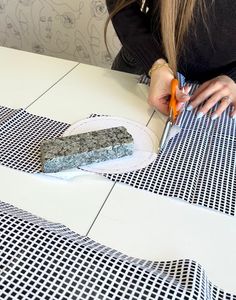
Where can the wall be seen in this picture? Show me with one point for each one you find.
(70, 29)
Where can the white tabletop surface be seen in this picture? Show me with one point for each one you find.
(88, 89)
(135, 222)
(26, 76)
(157, 228)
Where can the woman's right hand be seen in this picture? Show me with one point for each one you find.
(159, 91)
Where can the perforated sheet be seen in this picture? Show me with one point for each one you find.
(198, 165)
(43, 261)
(20, 137)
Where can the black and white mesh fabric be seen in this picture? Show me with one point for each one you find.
(20, 137)
(198, 165)
(44, 261)
(144, 79)
(6, 113)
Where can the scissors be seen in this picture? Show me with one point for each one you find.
(172, 115)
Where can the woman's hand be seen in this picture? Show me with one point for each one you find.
(159, 91)
(220, 89)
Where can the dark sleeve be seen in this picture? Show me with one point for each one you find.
(133, 28)
(231, 72)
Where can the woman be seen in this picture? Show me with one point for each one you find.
(195, 37)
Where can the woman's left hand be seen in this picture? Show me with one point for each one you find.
(220, 89)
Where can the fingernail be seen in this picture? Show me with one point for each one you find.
(183, 91)
(214, 116)
(180, 105)
(199, 115)
(234, 117)
(189, 107)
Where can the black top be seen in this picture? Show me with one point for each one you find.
(206, 53)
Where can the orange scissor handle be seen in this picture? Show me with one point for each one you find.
(173, 100)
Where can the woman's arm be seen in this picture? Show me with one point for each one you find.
(133, 28)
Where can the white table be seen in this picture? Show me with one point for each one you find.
(26, 76)
(135, 222)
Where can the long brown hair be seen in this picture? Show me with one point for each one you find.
(120, 4)
(175, 17)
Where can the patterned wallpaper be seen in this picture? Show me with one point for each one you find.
(70, 29)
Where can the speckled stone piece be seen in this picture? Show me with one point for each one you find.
(86, 148)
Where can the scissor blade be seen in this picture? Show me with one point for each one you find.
(165, 133)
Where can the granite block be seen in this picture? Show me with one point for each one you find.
(86, 148)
